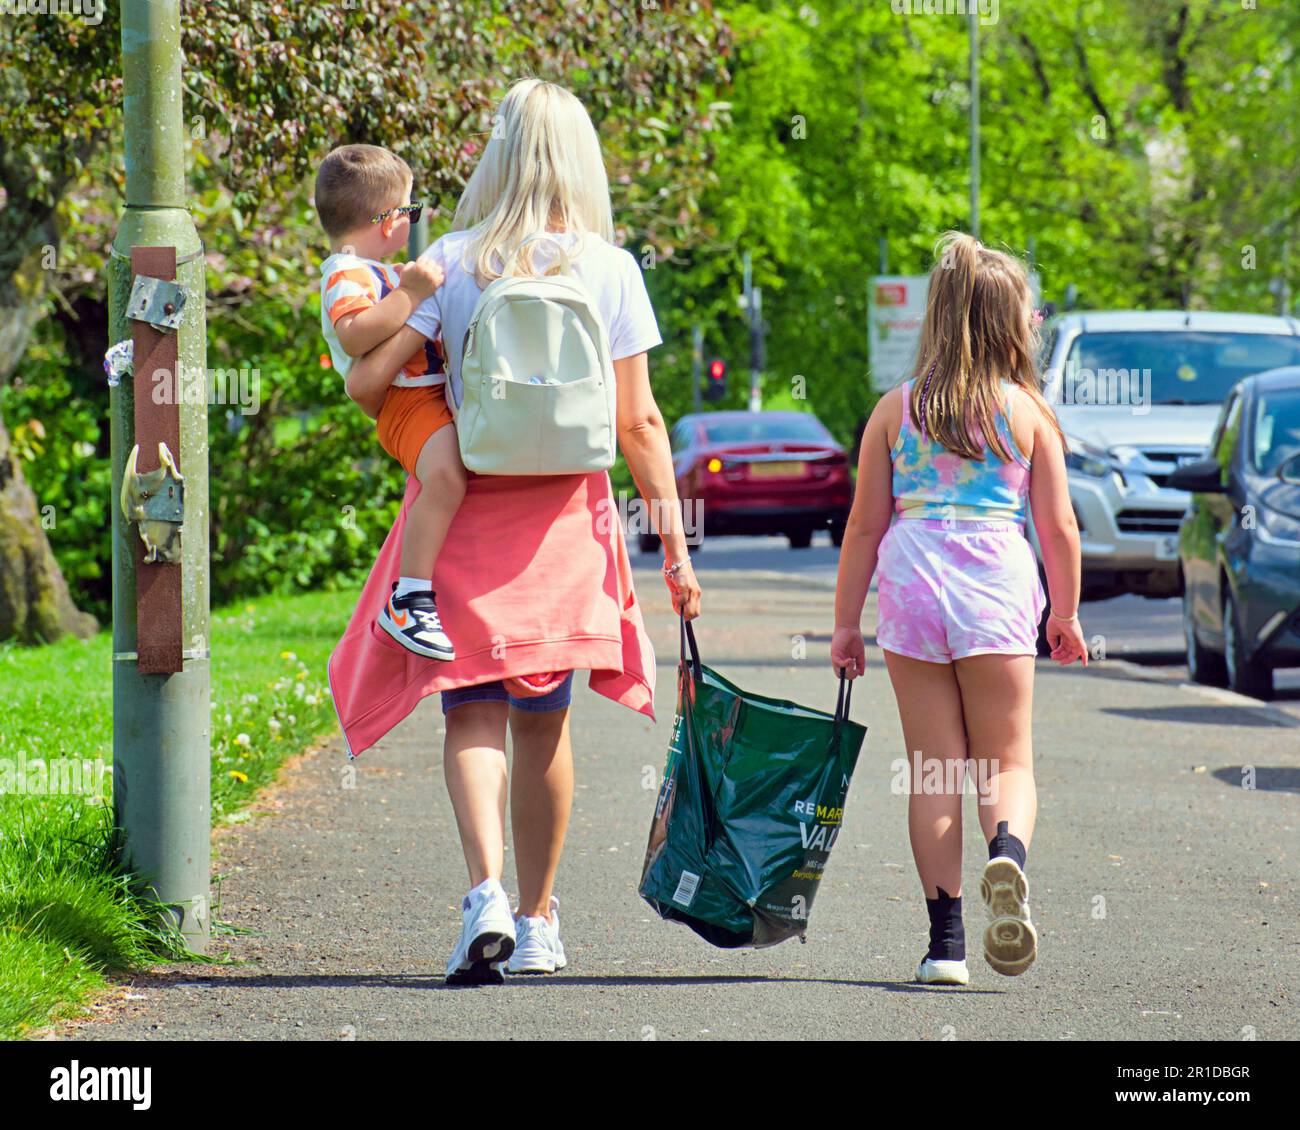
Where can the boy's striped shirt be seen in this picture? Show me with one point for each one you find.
(349, 284)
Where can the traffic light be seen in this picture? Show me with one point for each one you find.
(715, 384)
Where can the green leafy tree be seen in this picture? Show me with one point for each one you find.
(270, 86)
(1145, 151)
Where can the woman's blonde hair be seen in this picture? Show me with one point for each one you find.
(978, 330)
(542, 168)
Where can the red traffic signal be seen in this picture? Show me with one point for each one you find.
(715, 388)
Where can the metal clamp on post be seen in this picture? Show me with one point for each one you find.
(156, 301)
(156, 500)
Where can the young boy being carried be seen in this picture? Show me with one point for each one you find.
(363, 198)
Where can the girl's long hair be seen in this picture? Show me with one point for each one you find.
(978, 330)
(541, 168)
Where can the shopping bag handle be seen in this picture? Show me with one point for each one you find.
(688, 640)
(846, 693)
(842, 702)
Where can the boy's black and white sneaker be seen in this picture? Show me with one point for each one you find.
(412, 620)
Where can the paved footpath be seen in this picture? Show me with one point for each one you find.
(1165, 894)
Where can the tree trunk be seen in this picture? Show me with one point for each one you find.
(35, 605)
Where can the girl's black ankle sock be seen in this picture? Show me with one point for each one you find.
(947, 935)
(1004, 843)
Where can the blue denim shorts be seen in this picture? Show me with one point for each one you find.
(557, 699)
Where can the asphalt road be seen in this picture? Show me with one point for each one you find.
(1164, 892)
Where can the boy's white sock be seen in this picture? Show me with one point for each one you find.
(412, 584)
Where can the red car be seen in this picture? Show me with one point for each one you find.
(759, 473)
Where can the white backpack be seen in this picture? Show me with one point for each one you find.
(538, 395)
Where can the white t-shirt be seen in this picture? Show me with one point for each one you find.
(610, 274)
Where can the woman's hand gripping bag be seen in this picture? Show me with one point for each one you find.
(751, 804)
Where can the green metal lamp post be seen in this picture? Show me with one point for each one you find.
(161, 723)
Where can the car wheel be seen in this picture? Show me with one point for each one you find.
(647, 543)
(800, 539)
(1203, 665)
(1246, 675)
(837, 532)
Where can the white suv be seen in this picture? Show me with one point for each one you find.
(1137, 394)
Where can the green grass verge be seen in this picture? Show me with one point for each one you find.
(65, 918)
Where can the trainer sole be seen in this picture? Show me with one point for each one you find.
(1010, 940)
(488, 954)
(479, 973)
(491, 946)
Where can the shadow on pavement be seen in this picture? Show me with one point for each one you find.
(1268, 778)
(563, 980)
(1209, 714)
(1149, 658)
(640, 980)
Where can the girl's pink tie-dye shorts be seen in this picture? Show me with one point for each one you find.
(948, 589)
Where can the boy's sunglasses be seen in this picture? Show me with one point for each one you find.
(412, 210)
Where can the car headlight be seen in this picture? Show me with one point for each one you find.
(1274, 528)
(1089, 460)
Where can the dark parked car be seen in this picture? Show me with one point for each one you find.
(759, 473)
(1239, 544)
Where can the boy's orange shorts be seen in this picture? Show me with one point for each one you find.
(408, 418)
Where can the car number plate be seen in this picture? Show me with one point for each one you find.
(1167, 548)
(776, 470)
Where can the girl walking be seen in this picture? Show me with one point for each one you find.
(949, 461)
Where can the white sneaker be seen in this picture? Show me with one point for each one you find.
(487, 937)
(933, 971)
(539, 949)
(1010, 941)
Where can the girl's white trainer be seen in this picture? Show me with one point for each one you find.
(936, 971)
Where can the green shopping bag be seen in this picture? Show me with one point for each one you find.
(751, 803)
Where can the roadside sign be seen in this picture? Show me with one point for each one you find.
(895, 311)
(895, 314)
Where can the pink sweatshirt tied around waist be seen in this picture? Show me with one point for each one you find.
(534, 576)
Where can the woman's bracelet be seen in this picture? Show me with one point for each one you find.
(1064, 619)
(676, 567)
